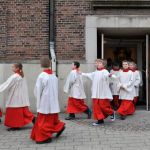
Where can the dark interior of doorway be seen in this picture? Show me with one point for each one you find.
(126, 50)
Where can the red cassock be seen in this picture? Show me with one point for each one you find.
(116, 102)
(126, 108)
(18, 117)
(0, 113)
(101, 109)
(76, 105)
(45, 126)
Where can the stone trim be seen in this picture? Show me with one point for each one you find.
(106, 4)
(70, 61)
(23, 62)
(110, 21)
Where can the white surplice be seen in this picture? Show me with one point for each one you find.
(16, 90)
(46, 93)
(114, 83)
(141, 82)
(74, 85)
(100, 84)
(137, 82)
(126, 80)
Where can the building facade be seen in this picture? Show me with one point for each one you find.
(69, 30)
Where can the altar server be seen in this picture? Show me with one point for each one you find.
(137, 80)
(113, 86)
(126, 91)
(101, 93)
(17, 101)
(75, 89)
(46, 93)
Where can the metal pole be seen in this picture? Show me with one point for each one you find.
(102, 46)
(147, 78)
(52, 35)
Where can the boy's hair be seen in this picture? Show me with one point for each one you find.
(77, 64)
(133, 63)
(45, 62)
(125, 61)
(116, 64)
(103, 61)
(20, 67)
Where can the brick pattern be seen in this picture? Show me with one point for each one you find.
(24, 28)
(70, 28)
(27, 30)
(2, 29)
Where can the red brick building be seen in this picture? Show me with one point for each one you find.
(80, 30)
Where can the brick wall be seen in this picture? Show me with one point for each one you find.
(25, 29)
(70, 28)
(2, 29)
(70, 25)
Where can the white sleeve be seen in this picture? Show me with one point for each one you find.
(141, 80)
(70, 81)
(106, 73)
(118, 81)
(130, 83)
(38, 89)
(72, 78)
(111, 81)
(89, 75)
(109, 75)
(7, 84)
(137, 80)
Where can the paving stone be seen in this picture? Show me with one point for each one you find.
(130, 134)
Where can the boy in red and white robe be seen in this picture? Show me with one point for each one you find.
(137, 80)
(126, 91)
(17, 102)
(137, 87)
(113, 86)
(74, 87)
(101, 94)
(46, 93)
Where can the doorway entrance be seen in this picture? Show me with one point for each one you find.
(118, 45)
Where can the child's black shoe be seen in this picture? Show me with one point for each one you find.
(99, 122)
(60, 132)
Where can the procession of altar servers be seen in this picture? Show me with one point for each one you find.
(46, 92)
(32, 70)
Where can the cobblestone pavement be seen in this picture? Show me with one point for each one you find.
(130, 134)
